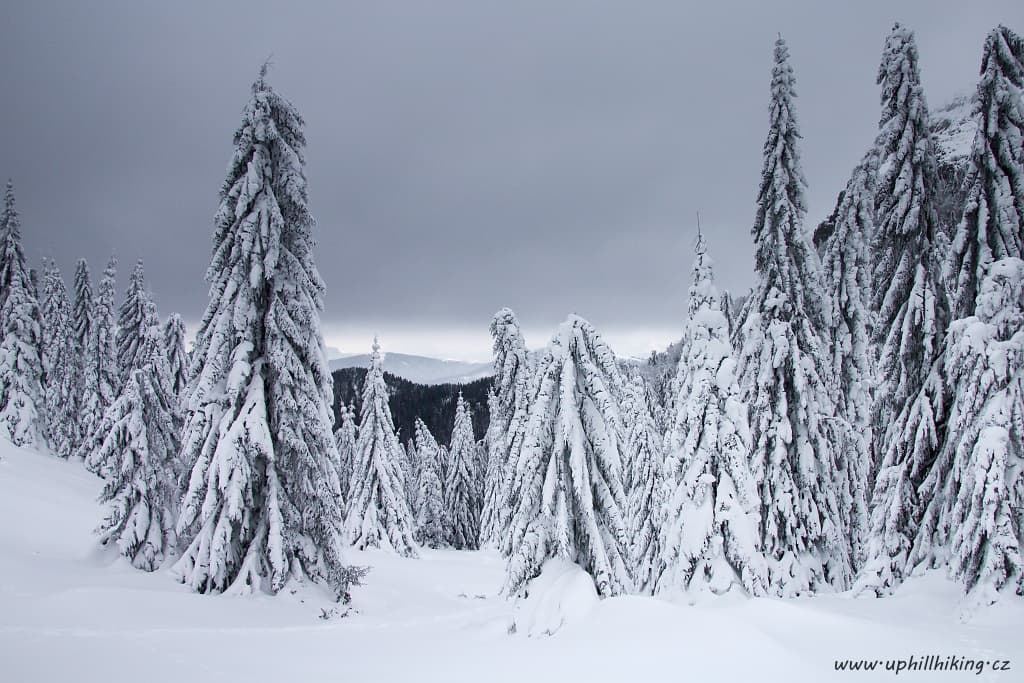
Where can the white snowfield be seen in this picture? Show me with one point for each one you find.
(70, 611)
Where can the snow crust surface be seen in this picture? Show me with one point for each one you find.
(70, 610)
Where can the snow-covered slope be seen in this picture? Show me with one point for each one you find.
(71, 611)
(953, 126)
(420, 369)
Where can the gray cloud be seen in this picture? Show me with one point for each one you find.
(463, 155)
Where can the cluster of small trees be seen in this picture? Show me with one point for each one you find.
(400, 497)
(90, 379)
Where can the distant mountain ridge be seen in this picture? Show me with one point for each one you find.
(420, 369)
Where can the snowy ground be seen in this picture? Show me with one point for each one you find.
(69, 611)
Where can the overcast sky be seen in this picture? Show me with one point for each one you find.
(463, 156)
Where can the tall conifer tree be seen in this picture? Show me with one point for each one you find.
(60, 364)
(177, 357)
(508, 410)
(992, 226)
(101, 376)
(911, 316)
(263, 503)
(377, 513)
(461, 505)
(846, 265)
(22, 403)
(131, 323)
(345, 438)
(786, 372)
(709, 533)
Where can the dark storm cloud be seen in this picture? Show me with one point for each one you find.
(463, 156)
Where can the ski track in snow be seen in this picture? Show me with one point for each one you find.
(70, 610)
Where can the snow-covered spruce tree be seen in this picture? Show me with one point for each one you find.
(82, 304)
(409, 476)
(462, 514)
(151, 356)
(709, 536)
(431, 530)
(33, 284)
(983, 497)
(139, 435)
(505, 430)
(377, 513)
(82, 322)
(61, 384)
(22, 401)
(643, 482)
(480, 459)
(490, 505)
(911, 315)
(785, 372)
(508, 412)
(992, 226)
(345, 439)
(846, 264)
(262, 504)
(100, 375)
(444, 459)
(130, 324)
(567, 495)
(177, 357)
(427, 446)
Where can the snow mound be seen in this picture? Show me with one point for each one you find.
(563, 593)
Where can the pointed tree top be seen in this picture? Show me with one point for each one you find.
(782, 72)
(899, 58)
(703, 293)
(375, 356)
(9, 219)
(1003, 50)
(781, 50)
(701, 246)
(260, 84)
(503, 318)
